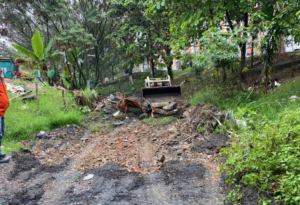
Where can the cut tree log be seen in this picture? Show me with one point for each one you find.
(21, 95)
(159, 104)
(170, 106)
(28, 98)
(165, 113)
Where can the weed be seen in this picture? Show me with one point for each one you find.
(265, 152)
(85, 109)
(77, 178)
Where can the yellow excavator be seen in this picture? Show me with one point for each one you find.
(161, 90)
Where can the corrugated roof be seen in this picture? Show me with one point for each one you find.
(5, 60)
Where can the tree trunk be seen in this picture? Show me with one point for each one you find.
(224, 74)
(293, 68)
(79, 82)
(243, 60)
(130, 74)
(267, 80)
(152, 67)
(150, 54)
(86, 68)
(281, 44)
(243, 49)
(170, 70)
(169, 64)
(74, 77)
(273, 76)
(252, 52)
(11, 68)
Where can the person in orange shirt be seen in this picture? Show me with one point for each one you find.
(4, 104)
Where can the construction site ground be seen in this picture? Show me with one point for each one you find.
(135, 163)
(109, 163)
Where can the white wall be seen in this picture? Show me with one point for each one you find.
(290, 45)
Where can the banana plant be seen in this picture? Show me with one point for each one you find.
(40, 54)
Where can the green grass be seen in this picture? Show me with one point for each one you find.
(162, 121)
(270, 137)
(178, 72)
(23, 122)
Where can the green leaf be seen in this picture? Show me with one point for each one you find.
(37, 45)
(158, 6)
(49, 46)
(25, 52)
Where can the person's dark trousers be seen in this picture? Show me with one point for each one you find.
(2, 129)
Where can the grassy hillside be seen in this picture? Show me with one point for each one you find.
(265, 147)
(24, 119)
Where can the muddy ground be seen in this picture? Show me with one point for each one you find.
(135, 163)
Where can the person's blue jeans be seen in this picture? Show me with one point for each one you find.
(2, 129)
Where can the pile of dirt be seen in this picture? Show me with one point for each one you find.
(30, 195)
(138, 148)
(23, 163)
(212, 145)
(183, 171)
(177, 183)
(137, 163)
(62, 144)
(203, 119)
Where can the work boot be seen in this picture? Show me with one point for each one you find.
(2, 155)
(4, 160)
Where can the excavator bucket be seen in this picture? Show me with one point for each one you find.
(162, 94)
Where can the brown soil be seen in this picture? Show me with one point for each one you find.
(136, 163)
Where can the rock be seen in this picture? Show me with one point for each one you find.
(111, 97)
(88, 177)
(108, 109)
(170, 106)
(29, 98)
(186, 114)
(119, 123)
(143, 116)
(84, 139)
(179, 152)
(208, 152)
(42, 135)
(24, 107)
(165, 113)
(218, 113)
(116, 114)
(162, 159)
(293, 98)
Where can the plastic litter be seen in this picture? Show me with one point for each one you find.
(88, 177)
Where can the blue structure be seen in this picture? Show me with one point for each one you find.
(5, 66)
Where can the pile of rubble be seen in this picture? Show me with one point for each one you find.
(54, 147)
(202, 119)
(138, 146)
(112, 104)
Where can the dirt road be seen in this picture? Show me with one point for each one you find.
(133, 164)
